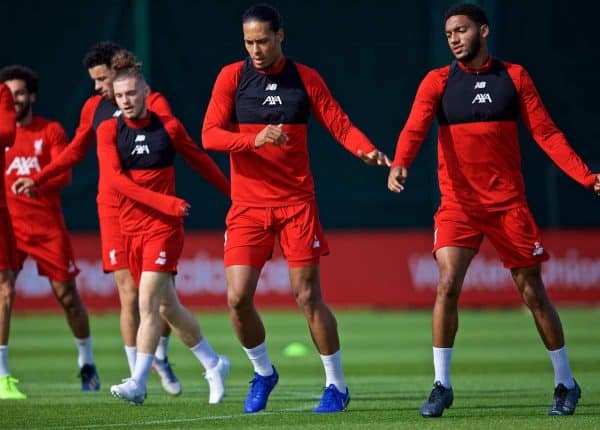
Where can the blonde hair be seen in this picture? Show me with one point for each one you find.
(125, 64)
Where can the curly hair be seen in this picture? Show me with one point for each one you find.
(101, 54)
(474, 12)
(125, 65)
(24, 73)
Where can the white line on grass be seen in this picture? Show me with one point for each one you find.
(173, 421)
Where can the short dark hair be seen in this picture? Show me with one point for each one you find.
(24, 73)
(474, 12)
(100, 54)
(263, 13)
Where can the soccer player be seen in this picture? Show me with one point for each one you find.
(46, 240)
(478, 100)
(8, 247)
(258, 112)
(97, 109)
(136, 152)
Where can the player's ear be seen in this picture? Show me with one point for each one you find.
(146, 91)
(280, 35)
(32, 97)
(484, 30)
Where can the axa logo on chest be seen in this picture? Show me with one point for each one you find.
(24, 166)
(140, 150)
(482, 98)
(272, 101)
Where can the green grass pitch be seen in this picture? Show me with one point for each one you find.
(501, 375)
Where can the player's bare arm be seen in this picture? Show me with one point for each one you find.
(397, 178)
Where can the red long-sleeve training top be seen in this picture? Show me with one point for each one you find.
(95, 110)
(478, 148)
(136, 158)
(36, 145)
(8, 125)
(244, 101)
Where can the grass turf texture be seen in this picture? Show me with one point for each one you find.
(502, 376)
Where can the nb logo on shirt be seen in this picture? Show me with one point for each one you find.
(271, 87)
(24, 166)
(140, 149)
(479, 85)
(272, 101)
(116, 113)
(140, 138)
(482, 98)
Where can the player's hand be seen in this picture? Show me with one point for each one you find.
(24, 186)
(397, 178)
(374, 158)
(597, 185)
(272, 134)
(185, 209)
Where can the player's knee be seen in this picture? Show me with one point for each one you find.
(7, 289)
(448, 288)
(239, 302)
(307, 297)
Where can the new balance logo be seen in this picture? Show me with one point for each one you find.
(140, 149)
(539, 250)
(479, 85)
(272, 101)
(162, 258)
(271, 87)
(316, 243)
(24, 166)
(140, 138)
(116, 113)
(37, 146)
(112, 256)
(482, 98)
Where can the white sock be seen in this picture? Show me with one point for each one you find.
(204, 352)
(131, 352)
(562, 369)
(441, 364)
(143, 364)
(260, 359)
(84, 347)
(333, 371)
(4, 369)
(162, 350)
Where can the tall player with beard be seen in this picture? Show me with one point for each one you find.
(258, 112)
(478, 101)
(8, 261)
(97, 109)
(46, 239)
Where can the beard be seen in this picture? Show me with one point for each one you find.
(472, 51)
(24, 110)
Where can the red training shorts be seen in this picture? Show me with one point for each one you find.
(112, 241)
(8, 246)
(512, 232)
(251, 233)
(154, 252)
(53, 254)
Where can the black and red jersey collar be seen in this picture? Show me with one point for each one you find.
(138, 122)
(274, 69)
(483, 68)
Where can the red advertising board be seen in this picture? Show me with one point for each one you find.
(392, 268)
